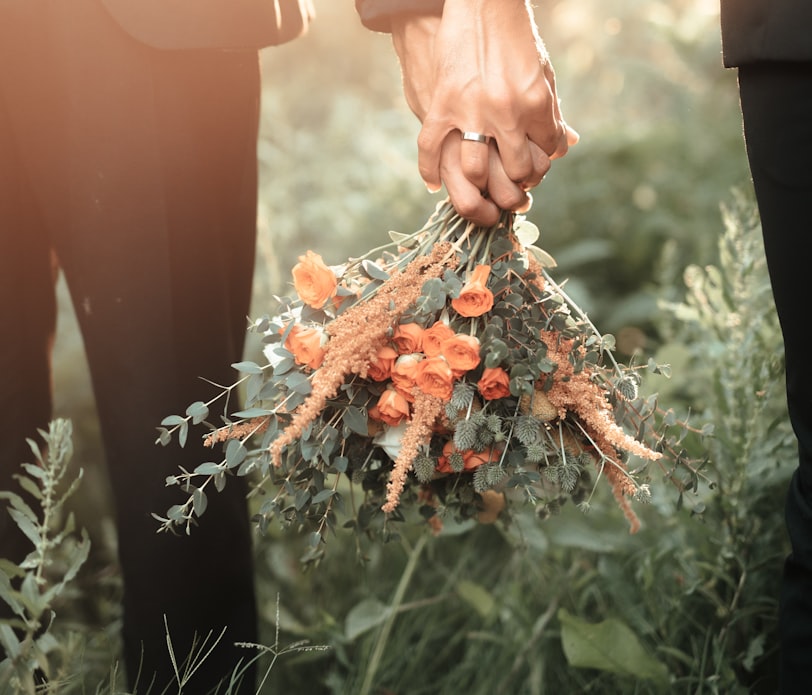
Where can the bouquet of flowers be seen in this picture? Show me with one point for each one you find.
(446, 373)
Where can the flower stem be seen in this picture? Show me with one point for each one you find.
(386, 628)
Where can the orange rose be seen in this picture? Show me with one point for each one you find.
(433, 337)
(435, 378)
(381, 368)
(404, 374)
(408, 338)
(494, 383)
(391, 408)
(461, 352)
(307, 345)
(471, 459)
(475, 298)
(314, 281)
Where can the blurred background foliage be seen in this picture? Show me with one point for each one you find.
(517, 610)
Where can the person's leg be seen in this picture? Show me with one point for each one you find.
(777, 107)
(151, 206)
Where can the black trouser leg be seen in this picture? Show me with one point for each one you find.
(144, 167)
(777, 107)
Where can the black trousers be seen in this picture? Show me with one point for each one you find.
(134, 171)
(776, 102)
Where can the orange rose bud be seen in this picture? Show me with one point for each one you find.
(475, 298)
(408, 338)
(315, 283)
(404, 374)
(461, 352)
(494, 383)
(307, 345)
(433, 338)
(471, 459)
(381, 368)
(391, 408)
(435, 378)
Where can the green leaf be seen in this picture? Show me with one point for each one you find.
(356, 420)
(78, 557)
(208, 468)
(9, 640)
(173, 420)
(250, 413)
(235, 453)
(183, 434)
(340, 463)
(364, 616)
(198, 411)
(609, 645)
(25, 525)
(544, 259)
(199, 502)
(406, 240)
(323, 496)
(35, 471)
(164, 438)
(298, 383)
(476, 596)
(526, 232)
(247, 367)
(7, 595)
(374, 271)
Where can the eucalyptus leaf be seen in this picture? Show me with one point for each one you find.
(323, 496)
(199, 502)
(198, 411)
(235, 453)
(208, 468)
(183, 434)
(374, 271)
(544, 259)
(356, 420)
(526, 232)
(247, 367)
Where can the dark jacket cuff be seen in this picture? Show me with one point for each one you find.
(377, 14)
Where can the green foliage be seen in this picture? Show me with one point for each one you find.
(574, 604)
(39, 649)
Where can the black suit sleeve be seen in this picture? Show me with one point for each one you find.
(376, 14)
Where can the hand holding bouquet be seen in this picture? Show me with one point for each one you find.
(445, 372)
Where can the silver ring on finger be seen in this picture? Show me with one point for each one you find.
(475, 137)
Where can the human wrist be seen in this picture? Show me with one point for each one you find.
(383, 15)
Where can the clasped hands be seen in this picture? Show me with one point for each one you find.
(481, 68)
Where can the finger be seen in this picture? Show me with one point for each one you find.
(502, 190)
(429, 148)
(569, 137)
(548, 129)
(516, 155)
(465, 196)
(541, 165)
(474, 160)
